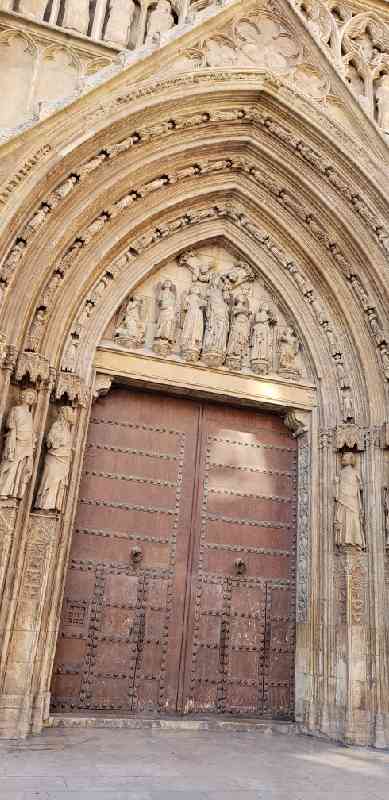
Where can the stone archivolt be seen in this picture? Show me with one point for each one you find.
(236, 229)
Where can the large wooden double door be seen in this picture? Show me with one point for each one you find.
(180, 594)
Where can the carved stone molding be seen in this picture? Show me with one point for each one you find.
(350, 436)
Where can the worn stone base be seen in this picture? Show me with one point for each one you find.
(171, 723)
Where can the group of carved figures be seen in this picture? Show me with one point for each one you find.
(213, 322)
(121, 15)
(16, 467)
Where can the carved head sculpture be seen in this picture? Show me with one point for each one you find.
(28, 397)
(348, 459)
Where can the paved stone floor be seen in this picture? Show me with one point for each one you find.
(89, 764)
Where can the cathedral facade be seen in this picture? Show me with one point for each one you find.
(194, 363)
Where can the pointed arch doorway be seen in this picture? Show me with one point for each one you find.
(180, 595)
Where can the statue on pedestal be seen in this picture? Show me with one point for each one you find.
(348, 505)
(238, 341)
(17, 461)
(121, 13)
(193, 327)
(217, 322)
(288, 351)
(131, 331)
(161, 20)
(260, 341)
(54, 481)
(33, 8)
(167, 318)
(76, 16)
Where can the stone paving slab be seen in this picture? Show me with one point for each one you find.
(130, 764)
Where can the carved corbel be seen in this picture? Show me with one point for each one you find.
(350, 436)
(32, 365)
(296, 426)
(102, 385)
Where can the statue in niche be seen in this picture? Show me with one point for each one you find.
(33, 8)
(167, 318)
(121, 14)
(36, 331)
(288, 346)
(347, 405)
(76, 16)
(382, 95)
(54, 480)
(17, 462)
(69, 359)
(260, 352)
(217, 322)
(348, 505)
(238, 340)
(193, 327)
(161, 20)
(131, 331)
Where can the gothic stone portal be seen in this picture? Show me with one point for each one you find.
(180, 594)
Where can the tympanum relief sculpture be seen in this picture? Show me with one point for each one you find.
(349, 522)
(17, 458)
(208, 308)
(54, 479)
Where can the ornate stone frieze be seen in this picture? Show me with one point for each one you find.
(208, 307)
(303, 518)
(350, 436)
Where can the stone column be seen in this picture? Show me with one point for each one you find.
(29, 549)
(47, 640)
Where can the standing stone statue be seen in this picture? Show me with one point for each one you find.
(238, 341)
(33, 8)
(17, 462)
(260, 341)
(161, 20)
(217, 322)
(121, 14)
(167, 318)
(382, 95)
(131, 331)
(77, 15)
(288, 349)
(348, 505)
(193, 327)
(54, 481)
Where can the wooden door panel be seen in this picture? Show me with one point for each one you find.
(180, 591)
(246, 518)
(129, 557)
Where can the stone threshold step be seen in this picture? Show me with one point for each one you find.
(170, 723)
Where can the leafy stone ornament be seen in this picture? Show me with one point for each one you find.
(16, 466)
(54, 480)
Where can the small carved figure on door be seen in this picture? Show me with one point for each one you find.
(349, 528)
